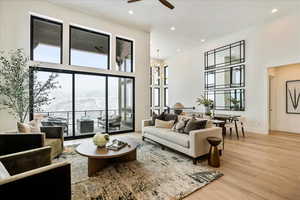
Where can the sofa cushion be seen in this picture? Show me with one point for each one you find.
(169, 117)
(56, 145)
(164, 124)
(3, 172)
(194, 124)
(155, 116)
(168, 135)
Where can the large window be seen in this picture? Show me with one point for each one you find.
(89, 48)
(46, 40)
(124, 54)
(85, 103)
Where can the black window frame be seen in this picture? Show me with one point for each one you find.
(229, 47)
(132, 53)
(32, 18)
(32, 69)
(165, 75)
(156, 88)
(165, 95)
(230, 84)
(241, 93)
(89, 31)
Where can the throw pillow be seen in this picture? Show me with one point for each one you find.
(33, 126)
(169, 117)
(194, 124)
(23, 128)
(180, 125)
(3, 172)
(163, 124)
(155, 116)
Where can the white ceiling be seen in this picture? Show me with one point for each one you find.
(193, 19)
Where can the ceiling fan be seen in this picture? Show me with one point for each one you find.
(165, 2)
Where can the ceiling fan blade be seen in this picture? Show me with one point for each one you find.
(132, 1)
(166, 3)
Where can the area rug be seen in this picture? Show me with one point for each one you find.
(156, 175)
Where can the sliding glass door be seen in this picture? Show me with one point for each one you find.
(120, 104)
(57, 111)
(84, 103)
(90, 104)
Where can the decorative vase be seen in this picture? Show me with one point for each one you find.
(207, 110)
(100, 139)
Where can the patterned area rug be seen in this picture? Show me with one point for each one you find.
(156, 175)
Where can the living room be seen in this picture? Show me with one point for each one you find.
(140, 100)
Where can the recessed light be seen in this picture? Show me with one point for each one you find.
(172, 28)
(130, 12)
(202, 40)
(178, 50)
(274, 10)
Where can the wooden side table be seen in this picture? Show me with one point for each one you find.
(214, 157)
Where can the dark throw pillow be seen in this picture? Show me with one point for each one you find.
(155, 116)
(194, 124)
(169, 117)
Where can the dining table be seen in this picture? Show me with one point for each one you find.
(227, 118)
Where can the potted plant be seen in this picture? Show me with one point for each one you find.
(15, 89)
(236, 104)
(207, 103)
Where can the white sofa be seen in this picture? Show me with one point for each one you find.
(193, 144)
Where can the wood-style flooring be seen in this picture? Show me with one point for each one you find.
(257, 167)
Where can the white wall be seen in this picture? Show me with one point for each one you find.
(280, 120)
(271, 44)
(15, 33)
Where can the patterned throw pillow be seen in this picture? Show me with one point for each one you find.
(180, 125)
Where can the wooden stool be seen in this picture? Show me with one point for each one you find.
(213, 157)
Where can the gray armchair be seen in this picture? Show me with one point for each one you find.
(49, 136)
(32, 176)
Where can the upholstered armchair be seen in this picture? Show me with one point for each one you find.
(49, 136)
(32, 176)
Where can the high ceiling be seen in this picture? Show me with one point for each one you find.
(193, 20)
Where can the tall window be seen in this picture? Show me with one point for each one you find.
(166, 75)
(89, 48)
(46, 40)
(159, 100)
(124, 54)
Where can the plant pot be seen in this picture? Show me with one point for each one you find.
(207, 110)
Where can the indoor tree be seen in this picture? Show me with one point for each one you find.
(15, 89)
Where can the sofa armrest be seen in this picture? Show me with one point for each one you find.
(146, 122)
(53, 131)
(20, 162)
(49, 182)
(16, 142)
(198, 143)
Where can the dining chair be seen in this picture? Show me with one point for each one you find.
(237, 123)
(231, 125)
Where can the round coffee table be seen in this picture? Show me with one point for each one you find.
(99, 158)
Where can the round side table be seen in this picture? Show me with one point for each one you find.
(214, 157)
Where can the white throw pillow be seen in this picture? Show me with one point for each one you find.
(164, 124)
(3, 172)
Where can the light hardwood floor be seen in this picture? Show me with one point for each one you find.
(257, 167)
